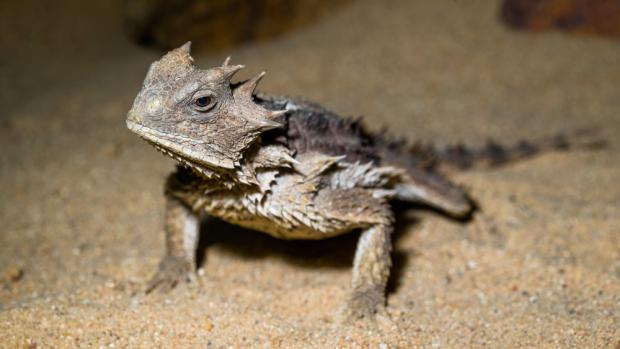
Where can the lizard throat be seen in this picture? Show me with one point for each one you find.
(166, 145)
(198, 169)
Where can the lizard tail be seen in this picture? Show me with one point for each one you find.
(460, 157)
(491, 155)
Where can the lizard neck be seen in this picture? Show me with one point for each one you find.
(256, 171)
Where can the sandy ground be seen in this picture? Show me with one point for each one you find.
(81, 197)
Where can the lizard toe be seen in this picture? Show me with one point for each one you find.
(171, 272)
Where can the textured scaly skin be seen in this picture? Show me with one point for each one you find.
(286, 167)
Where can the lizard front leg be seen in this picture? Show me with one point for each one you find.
(178, 264)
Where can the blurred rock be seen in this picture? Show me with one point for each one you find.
(11, 274)
(218, 24)
(591, 17)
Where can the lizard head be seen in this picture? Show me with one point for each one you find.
(197, 116)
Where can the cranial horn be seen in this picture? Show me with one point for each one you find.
(265, 124)
(179, 55)
(248, 87)
(273, 115)
(230, 70)
(175, 63)
(226, 61)
(186, 47)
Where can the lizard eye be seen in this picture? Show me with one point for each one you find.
(204, 102)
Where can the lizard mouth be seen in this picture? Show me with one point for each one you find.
(170, 145)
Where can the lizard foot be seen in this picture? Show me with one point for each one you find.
(172, 270)
(365, 306)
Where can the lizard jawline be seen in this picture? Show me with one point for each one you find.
(156, 139)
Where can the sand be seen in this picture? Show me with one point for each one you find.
(81, 208)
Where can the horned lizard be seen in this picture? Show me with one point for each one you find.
(289, 168)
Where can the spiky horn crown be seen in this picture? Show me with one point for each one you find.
(178, 64)
(243, 94)
(241, 117)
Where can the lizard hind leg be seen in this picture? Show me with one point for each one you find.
(178, 264)
(434, 190)
(371, 270)
(358, 208)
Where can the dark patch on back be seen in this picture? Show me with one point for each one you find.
(309, 127)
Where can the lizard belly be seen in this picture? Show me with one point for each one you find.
(277, 221)
(286, 211)
(272, 217)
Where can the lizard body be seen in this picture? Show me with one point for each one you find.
(286, 167)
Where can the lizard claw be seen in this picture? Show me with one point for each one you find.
(364, 306)
(172, 271)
